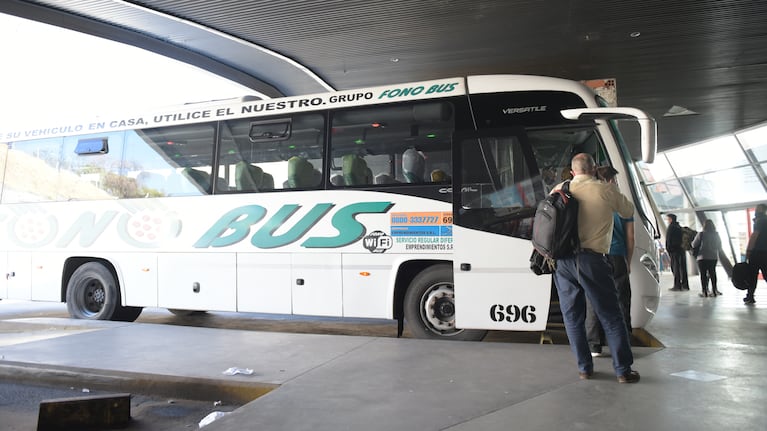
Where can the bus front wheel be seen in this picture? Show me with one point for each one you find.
(430, 306)
(93, 293)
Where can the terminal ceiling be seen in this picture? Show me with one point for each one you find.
(704, 56)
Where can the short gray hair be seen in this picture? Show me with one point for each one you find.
(582, 163)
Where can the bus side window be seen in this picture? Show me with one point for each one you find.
(264, 154)
(201, 179)
(400, 144)
(181, 155)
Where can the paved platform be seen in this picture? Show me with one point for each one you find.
(709, 375)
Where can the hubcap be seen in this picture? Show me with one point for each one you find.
(94, 297)
(438, 308)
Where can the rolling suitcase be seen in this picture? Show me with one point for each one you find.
(743, 275)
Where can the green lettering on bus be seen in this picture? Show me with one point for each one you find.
(265, 238)
(349, 229)
(238, 221)
(88, 227)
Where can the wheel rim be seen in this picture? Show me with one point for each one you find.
(438, 309)
(93, 297)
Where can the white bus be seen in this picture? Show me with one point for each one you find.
(336, 204)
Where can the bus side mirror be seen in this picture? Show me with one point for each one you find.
(647, 126)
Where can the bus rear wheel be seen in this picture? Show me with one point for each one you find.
(430, 306)
(93, 293)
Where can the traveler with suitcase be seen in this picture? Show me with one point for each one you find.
(756, 250)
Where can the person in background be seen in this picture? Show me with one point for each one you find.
(663, 259)
(756, 250)
(676, 253)
(708, 243)
(620, 254)
(588, 273)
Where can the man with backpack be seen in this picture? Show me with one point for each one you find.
(587, 273)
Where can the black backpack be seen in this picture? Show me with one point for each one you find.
(555, 227)
(688, 234)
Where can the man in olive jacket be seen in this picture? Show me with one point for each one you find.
(588, 272)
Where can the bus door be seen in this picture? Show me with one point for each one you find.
(496, 187)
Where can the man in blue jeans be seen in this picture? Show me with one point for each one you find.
(588, 273)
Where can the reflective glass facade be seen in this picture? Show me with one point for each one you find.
(721, 179)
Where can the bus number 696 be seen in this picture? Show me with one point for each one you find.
(512, 313)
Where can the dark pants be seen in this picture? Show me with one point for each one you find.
(589, 275)
(679, 268)
(707, 269)
(594, 330)
(758, 260)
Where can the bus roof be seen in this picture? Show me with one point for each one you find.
(228, 109)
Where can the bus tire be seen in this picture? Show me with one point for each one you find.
(429, 306)
(128, 314)
(93, 294)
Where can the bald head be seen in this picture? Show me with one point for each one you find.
(583, 163)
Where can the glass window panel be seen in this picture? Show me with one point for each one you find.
(738, 224)
(59, 173)
(291, 158)
(39, 156)
(388, 145)
(687, 218)
(755, 141)
(668, 195)
(103, 171)
(498, 192)
(172, 161)
(716, 154)
(642, 199)
(3, 158)
(659, 170)
(725, 187)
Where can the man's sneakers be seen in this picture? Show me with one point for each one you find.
(630, 376)
(679, 289)
(749, 300)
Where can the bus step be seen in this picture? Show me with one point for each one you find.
(546, 338)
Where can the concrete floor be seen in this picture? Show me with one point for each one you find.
(707, 377)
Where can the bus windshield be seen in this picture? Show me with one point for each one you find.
(506, 173)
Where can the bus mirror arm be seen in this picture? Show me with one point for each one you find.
(647, 126)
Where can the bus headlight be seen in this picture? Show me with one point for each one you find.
(649, 264)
